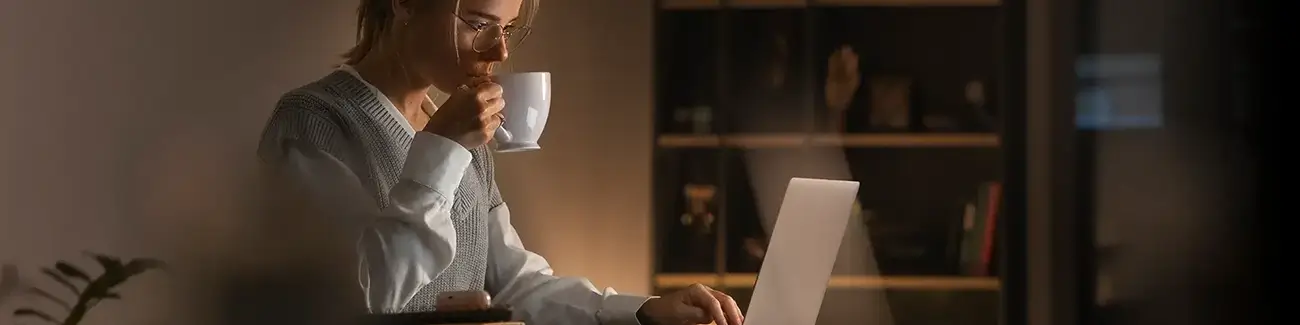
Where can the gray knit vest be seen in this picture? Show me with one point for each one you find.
(342, 116)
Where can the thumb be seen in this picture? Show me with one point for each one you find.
(473, 81)
(467, 86)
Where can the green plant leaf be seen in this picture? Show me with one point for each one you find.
(111, 264)
(115, 277)
(61, 280)
(71, 271)
(28, 312)
(111, 280)
(50, 297)
(95, 301)
(140, 265)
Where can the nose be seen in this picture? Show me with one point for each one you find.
(498, 53)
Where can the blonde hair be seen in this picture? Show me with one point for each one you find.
(374, 17)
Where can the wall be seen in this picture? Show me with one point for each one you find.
(584, 201)
(125, 124)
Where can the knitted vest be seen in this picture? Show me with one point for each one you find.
(342, 116)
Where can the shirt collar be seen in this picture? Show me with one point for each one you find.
(428, 106)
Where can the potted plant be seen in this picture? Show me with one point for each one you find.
(88, 291)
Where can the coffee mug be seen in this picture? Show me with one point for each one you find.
(528, 102)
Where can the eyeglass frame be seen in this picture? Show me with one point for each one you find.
(506, 32)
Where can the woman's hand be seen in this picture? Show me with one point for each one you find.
(696, 304)
(472, 115)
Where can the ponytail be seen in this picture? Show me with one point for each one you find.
(373, 18)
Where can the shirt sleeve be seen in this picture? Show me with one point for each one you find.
(525, 281)
(403, 246)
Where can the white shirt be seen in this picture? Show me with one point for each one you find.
(406, 245)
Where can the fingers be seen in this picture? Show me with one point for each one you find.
(490, 104)
(491, 108)
(491, 118)
(488, 91)
(481, 89)
(695, 316)
(703, 298)
(472, 115)
(488, 95)
(475, 80)
(734, 315)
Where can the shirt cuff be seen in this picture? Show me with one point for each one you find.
(436, 162)
(621, 309)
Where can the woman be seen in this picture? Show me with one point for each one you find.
(417, 180)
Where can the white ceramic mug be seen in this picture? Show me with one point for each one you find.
(528, 102)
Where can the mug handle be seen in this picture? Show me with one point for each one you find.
(502, 135)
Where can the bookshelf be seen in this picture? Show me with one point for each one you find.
(715, 4)
(746, 280)
(951, 140)
(749, 93)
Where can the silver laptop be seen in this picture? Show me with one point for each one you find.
(801, 252)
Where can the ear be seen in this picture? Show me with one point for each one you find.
(401, 10)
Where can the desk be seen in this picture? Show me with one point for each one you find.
(444, 318)
(501, 323)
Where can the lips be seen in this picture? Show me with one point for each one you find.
(482, 69)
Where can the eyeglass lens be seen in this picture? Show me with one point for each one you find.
(490, 37)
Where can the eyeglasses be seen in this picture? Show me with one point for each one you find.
(490, 35)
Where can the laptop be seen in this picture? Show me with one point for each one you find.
(801, 252)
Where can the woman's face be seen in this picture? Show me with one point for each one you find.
(434, 33)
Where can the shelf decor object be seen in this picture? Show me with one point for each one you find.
(891, 104)
(698, 217)
(842, 81)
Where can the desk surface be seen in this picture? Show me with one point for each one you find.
(502, 323)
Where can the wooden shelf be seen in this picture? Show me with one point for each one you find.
(690, 4)
(794, 140)
(909, 3)
(679, 280)
(747, 280)
(716, 4)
